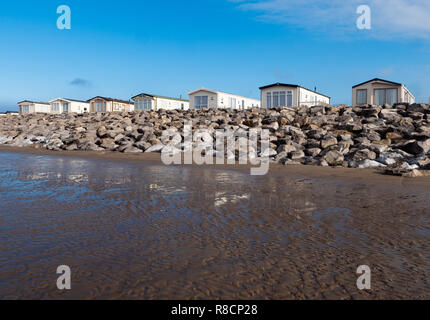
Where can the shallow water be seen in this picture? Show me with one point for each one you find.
(145, 231)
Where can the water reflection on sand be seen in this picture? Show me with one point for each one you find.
(149, 231)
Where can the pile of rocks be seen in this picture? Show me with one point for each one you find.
(396, 138)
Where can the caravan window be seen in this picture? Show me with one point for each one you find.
(55, 107)
(275, 99)
(269, 100)
(201, 102)
(282, 101)
(232, 103)
(289, 98)
(99, 106)
(362, 96)
(385, 96)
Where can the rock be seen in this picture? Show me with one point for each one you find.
(142, 145)
(171, 150)
(155, 148)
(317, 134)
(114, 132)
(154, 141)
(102, 132)
(364, 154)
(422, 162)
(296, 155)
(369, 111)
(292, 163)
(230, 155)
(281, 157)
(323, 163)
(89, 146)
(344, 147)
(370, 164)
(119, 137)
(80, 130)
(386, 161)
(109, 144)
(417, 107)
(393, 136)
(327, 142)
(71, 147)
(412, 174)
(397, 137)
(131, 149)
(5, 140)
(286, 148)
(54, 144)
(268, 153)
(408, 167)
(346, 137)
(334, 158)
(363, 141)
(373, 136)
(249, 123)
(378, 148)
(416, 147)
(273, 126)
(171, 138)
(390, 115)
(313, 152)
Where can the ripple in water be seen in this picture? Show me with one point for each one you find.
(144, 231)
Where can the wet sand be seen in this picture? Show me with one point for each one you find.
(132, 228)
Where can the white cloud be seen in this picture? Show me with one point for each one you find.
(390, 18)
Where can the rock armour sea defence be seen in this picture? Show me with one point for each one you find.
(395, 139)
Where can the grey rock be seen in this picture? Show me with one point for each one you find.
(268, 153)
(370, 164)
(364, 154)
(328, 141)
(155, 148)
(334, 158)
(416, 147)
(296, 155)
(142, 145)
(286, 148)
(131, 149)
(313, 152)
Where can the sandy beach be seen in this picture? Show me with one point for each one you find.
(131, 228)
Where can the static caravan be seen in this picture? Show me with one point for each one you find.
(103, 104)
(27, 106)
(148, 102)
(380, 92)
(290, 95)
(62, 105)
(209, 99)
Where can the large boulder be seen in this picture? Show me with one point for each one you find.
(418, 107)
(366, 164)
(334, 158)
(328, 142)
(416, 147)
(155, 148)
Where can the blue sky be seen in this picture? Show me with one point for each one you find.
(122, 48)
